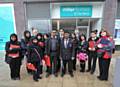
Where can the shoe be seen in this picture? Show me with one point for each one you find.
(71, 74)
(36, 80)
(88, 70)
(62, 75)
(56, 75)
(91, 72)
(47, 75)
(39, 77)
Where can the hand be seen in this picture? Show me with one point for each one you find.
(73, 58)
(43, 62)
(100, 46)
(90, 48)
(10, 48)
(60, 58)
(93, 49)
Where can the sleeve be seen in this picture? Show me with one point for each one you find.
(7, 47)
(108, 47)
(29, 55)
(23, 45)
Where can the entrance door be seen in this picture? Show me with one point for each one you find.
(84, 30)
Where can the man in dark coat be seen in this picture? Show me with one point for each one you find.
(66, 53)
(52, 49)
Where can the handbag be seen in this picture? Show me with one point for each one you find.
(106, 55)
(82, 56)
(8, 59)
(47, 60)
(31, 66)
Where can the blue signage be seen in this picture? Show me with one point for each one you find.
(7, 23)
(75, 11)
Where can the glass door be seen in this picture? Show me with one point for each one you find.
(84, 30)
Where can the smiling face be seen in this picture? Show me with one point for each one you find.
(13, 38)
(93, 35)
(103, 33)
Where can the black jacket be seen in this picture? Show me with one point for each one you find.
(48, 46)
(66, 53)
(95, 41)
(13, 50)
(33, 54)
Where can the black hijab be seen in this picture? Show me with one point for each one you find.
(11, 41)
(27, 39)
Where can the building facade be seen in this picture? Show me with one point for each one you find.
(45, 15)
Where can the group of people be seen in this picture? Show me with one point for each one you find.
(63, 50)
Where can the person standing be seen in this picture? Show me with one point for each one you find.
(35, 58)
(66, 53)
(75, 46)
(34, 32)
(41, 45)
(13, 56)
(46, 36)
(60, 37)
(92, 52)
(82, 48)
(25, 43)
(52, 50)
(105, 48)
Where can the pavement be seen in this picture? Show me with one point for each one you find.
(79, 80)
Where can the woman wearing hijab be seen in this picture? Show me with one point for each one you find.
(41, 45)
(25, 42)
(35, 58)
(13, 56)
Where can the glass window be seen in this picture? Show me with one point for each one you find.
(82, 22)
(43, 26)
(68, 24)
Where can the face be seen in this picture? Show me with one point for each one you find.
(73, 36)
(103, 33)
(39, 37)
(93, 35)
(82, 38)
(27, 34)
(53, 34)
(13, 38)
(45, 36)
(35, 32)
(35, 41)
(66, 35)
(61, 32)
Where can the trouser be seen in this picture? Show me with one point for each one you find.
(38, 70)
(70, 66)
(15, 65)
(104, 68)
(82, 65)
(74, 61)
(58, 64)
(53, 68)
(74, 64)
(29, 71)
(92, 61)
